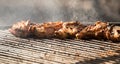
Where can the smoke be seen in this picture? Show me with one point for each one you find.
(12, 11)
(65, 10)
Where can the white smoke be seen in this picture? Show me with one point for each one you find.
(12, 11)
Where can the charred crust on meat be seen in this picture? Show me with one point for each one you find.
(71, 29)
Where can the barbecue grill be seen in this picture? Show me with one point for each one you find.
(56, 51)
(15, 50)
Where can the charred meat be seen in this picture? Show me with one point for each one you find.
(69, 29)
(72, 29)
(46, 29)
(114, 33)
(25, 29)
(97, 30)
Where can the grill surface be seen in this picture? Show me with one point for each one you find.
(15, 50)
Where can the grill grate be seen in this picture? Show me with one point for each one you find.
(19, 50)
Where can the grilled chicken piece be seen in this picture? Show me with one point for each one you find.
(21, 29)
(69, 29)
(46, 29)
(115, 33)
(72, 29)
(100, 30)
(94, 31)
(25, 29)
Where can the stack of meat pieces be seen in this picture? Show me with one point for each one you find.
(71, 29)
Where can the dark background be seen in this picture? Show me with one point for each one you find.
(12, 11)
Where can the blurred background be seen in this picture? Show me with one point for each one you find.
(12, 11)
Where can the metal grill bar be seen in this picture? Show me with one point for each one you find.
(55, 50)
(74, 48)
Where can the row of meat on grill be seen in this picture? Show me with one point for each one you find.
(72, 29)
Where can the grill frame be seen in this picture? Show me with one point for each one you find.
(31, 50)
